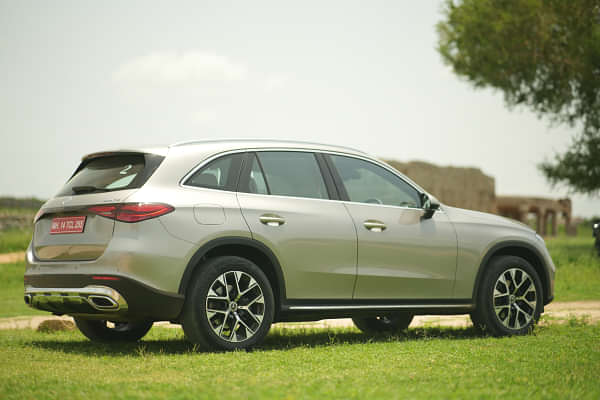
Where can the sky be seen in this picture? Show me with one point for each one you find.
(83, 76)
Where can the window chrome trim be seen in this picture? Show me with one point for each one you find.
(381, 164)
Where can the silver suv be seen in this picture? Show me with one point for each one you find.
(227, 237)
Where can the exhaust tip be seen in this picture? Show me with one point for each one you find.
(103, 302)
(27, 299)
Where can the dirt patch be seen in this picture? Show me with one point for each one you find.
(9, 258)
(555, 313)
(53, 325)
(558, 312)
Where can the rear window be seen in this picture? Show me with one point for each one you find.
(111, 173)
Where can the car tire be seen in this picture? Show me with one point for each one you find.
(105, 331)
(383, 324)
(477, 324)
(229, 305)
(510, 297)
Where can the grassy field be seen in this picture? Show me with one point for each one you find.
(557, 362)
(14, 240)
(11, 292)
(577, 266)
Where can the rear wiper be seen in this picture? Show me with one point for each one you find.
(88, 189)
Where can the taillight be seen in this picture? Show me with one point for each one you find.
(104, 211)
(131, 212)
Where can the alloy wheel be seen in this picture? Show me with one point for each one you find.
(515, 298)
(235, 306)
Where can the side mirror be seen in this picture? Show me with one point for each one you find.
(430, 205)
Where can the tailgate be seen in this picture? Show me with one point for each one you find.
(74, 239)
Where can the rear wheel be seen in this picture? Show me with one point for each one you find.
(509, 301)
(477, 324)
(386, 323)
(229, 305)
(106, 331)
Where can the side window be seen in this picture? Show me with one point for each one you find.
(256, 183)
(366, 182)
(221, 173)
(292, 173)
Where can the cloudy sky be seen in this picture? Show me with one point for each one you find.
(82, 76)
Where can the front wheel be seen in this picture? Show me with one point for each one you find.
(106, 331)
(383, 324)
(229, 305)
(510, 298)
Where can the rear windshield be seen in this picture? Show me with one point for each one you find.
(110, 173)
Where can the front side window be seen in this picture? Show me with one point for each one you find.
(221, 173)
(292, 173)
(366, 182)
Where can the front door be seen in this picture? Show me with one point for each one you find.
(400, 255)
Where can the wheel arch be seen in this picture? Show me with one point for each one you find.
(519, 249)
(248, 248)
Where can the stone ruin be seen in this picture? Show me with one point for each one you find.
(472, 189)
(544, 211)
(459, 187)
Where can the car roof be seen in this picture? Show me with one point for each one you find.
(218, 146)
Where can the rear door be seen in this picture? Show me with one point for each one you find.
(400, 255)
(289, 207)
(68, 228)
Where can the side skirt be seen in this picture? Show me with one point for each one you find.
(312, 310)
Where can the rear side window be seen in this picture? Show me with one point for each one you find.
(291, 173)
(111, 173)
(257, 183)
(221, 173)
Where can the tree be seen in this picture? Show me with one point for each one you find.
(543, 54)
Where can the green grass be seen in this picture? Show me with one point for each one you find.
(577, 266)
(556, 362)
(14, 240)
(11, 292)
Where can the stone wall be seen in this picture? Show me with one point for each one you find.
(456, 186)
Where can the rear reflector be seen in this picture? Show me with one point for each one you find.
(131, 212)
(105, 278)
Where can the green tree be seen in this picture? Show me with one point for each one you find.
(544, 54)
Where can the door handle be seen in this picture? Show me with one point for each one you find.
(271, 220)
(374, 226)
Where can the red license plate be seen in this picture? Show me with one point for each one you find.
(67, 225)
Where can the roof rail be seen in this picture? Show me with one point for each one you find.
(298, 142)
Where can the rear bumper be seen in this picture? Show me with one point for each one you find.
(87, 300)
(110, 297)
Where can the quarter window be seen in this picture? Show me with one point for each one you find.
(221, 173)
(366, 182)
(292, 173)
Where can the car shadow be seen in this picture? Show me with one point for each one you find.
(280, 339)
